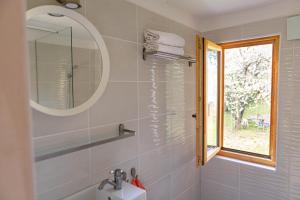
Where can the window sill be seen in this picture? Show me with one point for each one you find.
(248, 159)
(246, 163)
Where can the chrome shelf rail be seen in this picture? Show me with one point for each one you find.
(170, 56)
(123, 133)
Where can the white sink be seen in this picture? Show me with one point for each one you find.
(128, 192)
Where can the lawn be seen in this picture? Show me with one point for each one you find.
(253, 138)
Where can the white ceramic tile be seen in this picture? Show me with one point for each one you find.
(213, 191)
(149, 20)
(169, 89)
(86, 194)
(155, 164)
(153, 98)
(294, 180)
(188, 34)
(264, 28)
(160, 189)
(123, 60)
(115, 18)
(263, 182)
(117, 104)
(222, 171)
(224, 35)
(153, 69)
(155, 131)
(112, 130)
(192, 193)
(181, 179)
(251, 196)
(57, 142)
(105, 157)
(61, 176)
(183, 151)
(44, 124)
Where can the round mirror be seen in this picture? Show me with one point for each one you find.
(69, 62)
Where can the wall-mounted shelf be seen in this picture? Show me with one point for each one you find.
(170, 56)
(123, 133)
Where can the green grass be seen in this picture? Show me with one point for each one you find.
(251, 139)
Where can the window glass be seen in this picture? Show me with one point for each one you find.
(247, 98)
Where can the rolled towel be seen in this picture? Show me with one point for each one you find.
(163, 48)
(159, 37)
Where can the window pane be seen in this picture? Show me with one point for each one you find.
(247, 98)
(212, 99)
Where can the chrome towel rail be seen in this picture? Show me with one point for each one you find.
(170, 56)
(123, 133)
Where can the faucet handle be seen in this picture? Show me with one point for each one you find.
(117, 172)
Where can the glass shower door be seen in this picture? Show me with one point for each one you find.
(54, 69)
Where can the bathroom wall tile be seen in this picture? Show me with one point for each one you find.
(264, 182)
(123, 60)
(35, 3)
(166, 103)
(44, 124)
(264, 28)
(154, 132)
(61, 176)
(118, 103)
(183, 151)
(250, 196)
(294, 180)
(160, 189)
(115, 18)
(192, 193)
(296, 43)
(222, 171)
(149, 20)
(105, 157)
(190, 73)
(153, 98)
(224, 35)
(188, 34)
(104, 173)
(126, 166)
(86, 194)
(212, 191)
(155, 164)
(56, 142)
(152, 69)
(182, 178)
(108, 131)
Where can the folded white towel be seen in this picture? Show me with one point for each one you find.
(164, 48)
(159, 37)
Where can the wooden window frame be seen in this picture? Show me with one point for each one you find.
(211, 45)
(247, 156)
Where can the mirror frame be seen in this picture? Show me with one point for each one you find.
(104, 54)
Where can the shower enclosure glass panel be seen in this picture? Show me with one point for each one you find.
(54, 70)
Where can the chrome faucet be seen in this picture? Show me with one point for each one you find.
(119, 177)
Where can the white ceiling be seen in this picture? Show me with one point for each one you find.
(205, 15)
(208, 8)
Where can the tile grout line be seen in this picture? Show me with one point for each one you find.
(138, 88)
(89, 127)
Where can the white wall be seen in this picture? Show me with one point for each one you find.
(153, 97)
(227, 180)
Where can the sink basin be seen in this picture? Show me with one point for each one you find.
(128, 192)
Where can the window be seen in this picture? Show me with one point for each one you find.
(240, 100)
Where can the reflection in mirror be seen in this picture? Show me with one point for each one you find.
(65, 62)
(211, 101)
